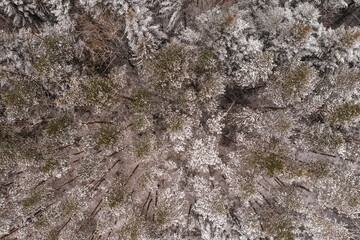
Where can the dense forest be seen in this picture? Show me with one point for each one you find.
(179, 119)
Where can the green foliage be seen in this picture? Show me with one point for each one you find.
(106, 136)
(345, 113)
(59, 125)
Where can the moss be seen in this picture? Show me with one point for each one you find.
(319, 169)
(106, 136)
(42, 64)
(176, 124)
(203, 64)
(41, 222)
(161, 217)
(142, 149)
(59, 125)
(277, 224)
(50, 164)
(130, 230)
(297, 80)
(168, 68)
(116, 197)
(70, 207)
(322, 138)
(141, 100)
(33, 200)
(345, 113)
(52, 44)
(97, 90)
(33, 154)
(283, 230)
(271, 162)
(57, 50)
(139, 123)
(22, 94)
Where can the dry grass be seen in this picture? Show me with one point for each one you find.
(102, 38)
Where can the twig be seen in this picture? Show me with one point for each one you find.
(94, 122)
(96, 207)
(279, 182)
(11, 232)
(127, 98)
(266, 200)
(156, 198)
(78, 153)
(212, 182)
(7, 184)
(190, 207)
(63, 226)
(41, 182)
(148, 208)
(253, 208)
(66, 183)
(131, 174)
(114, 164)
(112, 154)
(100, 181)
(63, 147)
(15, 73)
(302, 187)
(142, 209)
